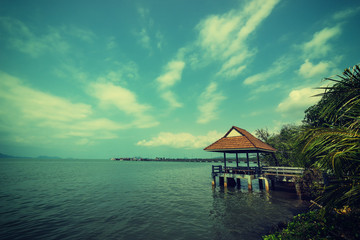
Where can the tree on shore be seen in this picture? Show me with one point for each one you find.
(332, 139)
(288, 152)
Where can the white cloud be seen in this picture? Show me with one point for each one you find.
(223, 37)
(181, 140)
(308, 69)
(144, 38)
(259, 77)
(123, 73)
(209, 102)
(172, 74)
(148, 36)
(319, 45)
(79, 33)
(298, 100)
(169, 96)
(123, 99)
(278, 67)
(160, 40)
(26, 40)
(34, 104)
(346, 13)
(31, 116)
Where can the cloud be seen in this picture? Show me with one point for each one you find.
(123, 99)
(26, 40)
(172, 75)
(224, 37)
(209, 102)
(181, 140)
(79, 33)
(147, 34)
(20, 37)
(309, 70)
(30, 116)
(169, 96)
(144, 38)
(278, 67)
(298, 101)
(319, 45)
(346, 13)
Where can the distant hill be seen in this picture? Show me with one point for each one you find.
(2, 155)
(48, 157)
(6, 156)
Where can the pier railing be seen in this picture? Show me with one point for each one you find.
(271, 171)
(282, 171)
(235, 170)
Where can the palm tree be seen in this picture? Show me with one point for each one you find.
(335, 144)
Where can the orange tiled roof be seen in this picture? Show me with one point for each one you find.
(242, 141)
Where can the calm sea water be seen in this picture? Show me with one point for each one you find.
(103, 199)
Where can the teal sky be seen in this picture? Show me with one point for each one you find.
(156, 78)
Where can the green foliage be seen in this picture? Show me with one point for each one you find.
(330, 142)
(312, 225)
(288, 152)
(339, 105)
(333, 142)
(311, 183)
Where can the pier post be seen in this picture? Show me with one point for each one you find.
(261, 184)
(247, 160)
(225, 181)
(238, 183)
(266, 184)
(214, 182)
(221, 181)
(249, 183)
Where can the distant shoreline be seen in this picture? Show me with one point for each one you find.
(218, 160)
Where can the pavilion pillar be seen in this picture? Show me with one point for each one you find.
(238, 183)
(261, 184)
(247, 159)
(258, 159)
(225, 160)
(267, 188)
(237, 160)
(249, 183)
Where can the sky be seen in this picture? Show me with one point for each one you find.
(162, 78)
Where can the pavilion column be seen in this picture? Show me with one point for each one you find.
(247, 159)
(224, 160)
(258, 159)
(237, 160)
(249, 182)
(266, 184)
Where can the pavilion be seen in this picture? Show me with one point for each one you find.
(235, 141)
(238, 140)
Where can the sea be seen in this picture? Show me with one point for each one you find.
(104, 199)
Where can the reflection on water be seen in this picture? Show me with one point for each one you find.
(244, 214)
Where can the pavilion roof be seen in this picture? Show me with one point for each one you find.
(238, 140)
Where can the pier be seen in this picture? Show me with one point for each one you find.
(239, 141)
(267, 176)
